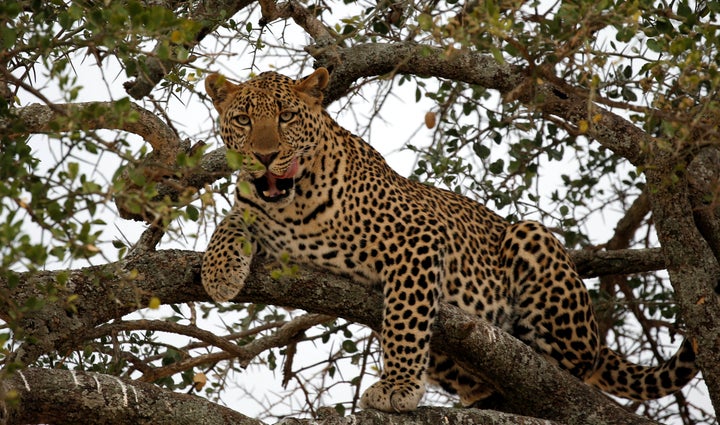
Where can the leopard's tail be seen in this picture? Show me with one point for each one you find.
(619, 377)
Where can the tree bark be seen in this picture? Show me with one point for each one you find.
(68, 397)
(71, 397)
(691, 264)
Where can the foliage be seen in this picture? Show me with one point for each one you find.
(67, 182)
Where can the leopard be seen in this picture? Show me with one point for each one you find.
(319, 195)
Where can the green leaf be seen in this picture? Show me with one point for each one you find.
(244, 188)
(192, 213)
(497, 55)
(349, 346)
(73, 168)
(425, 21)
(234, 159)
(497, 166)
(272, 360)
(481, 150)
(655, 45)
(628, 94)
(8, 37)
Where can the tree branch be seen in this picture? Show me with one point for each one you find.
(37, 118)
(618, 261)
(307, 20)
(92, 398)
(74, 397)
(158, 166)
(514, 82)
(691, 263)
(111, 291)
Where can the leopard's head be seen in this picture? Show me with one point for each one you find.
(272, 121)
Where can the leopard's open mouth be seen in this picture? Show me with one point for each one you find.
(271, 188)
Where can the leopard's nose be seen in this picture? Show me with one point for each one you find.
(266, 159)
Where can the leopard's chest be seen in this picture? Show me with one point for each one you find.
(313, 233)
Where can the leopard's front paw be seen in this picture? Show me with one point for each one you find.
(224, 277)
(393, 396)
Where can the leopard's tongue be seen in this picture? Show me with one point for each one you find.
(273, 190)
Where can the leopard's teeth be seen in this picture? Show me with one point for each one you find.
(281, 193)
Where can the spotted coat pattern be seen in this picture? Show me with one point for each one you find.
(323, 196)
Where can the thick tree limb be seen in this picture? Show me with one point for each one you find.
(54, 329)
(514, 82)
(73, 397)
(619, 261)
(58, 118)
(110, 291)
(69, 397)
(691, 263)
(424, 415)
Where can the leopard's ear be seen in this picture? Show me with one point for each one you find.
(314, 84)
(219, 89)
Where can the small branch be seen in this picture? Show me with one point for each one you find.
(630, 223)
(306, 19)
(148, 240)
(290, 332)
(153, 69)
(623, 235)
(286, 334)
(163, 326)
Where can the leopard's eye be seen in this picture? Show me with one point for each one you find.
(241, 119)
(286, 116)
